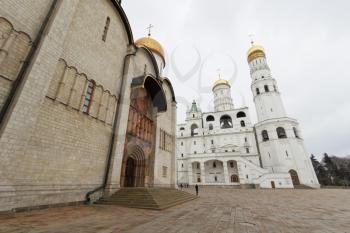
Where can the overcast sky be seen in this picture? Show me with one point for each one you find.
(307, 47)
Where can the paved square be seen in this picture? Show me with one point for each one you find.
(217, 210)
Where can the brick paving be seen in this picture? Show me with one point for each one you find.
(217, 210)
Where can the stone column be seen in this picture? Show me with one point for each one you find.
(226, 178)
(202, 167)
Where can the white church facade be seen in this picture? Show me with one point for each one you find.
(224, 147)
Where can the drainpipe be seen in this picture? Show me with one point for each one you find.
(21, 78)
(111, 144)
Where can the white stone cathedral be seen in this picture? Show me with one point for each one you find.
(224, 147)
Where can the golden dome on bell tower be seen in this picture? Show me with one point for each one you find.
(255, 51)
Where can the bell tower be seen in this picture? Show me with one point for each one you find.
(222, 95)
(281, 145)
(267, 98)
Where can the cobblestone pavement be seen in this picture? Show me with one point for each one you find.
(217, 210)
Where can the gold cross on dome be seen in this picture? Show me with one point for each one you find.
(149, 29)
(219, 73)
(251, 38)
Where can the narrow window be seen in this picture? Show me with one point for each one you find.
(242, 124)
(182, 165)
(257, 91)
(193, 115)
(269, 155)
(265, 135)
(194, 142)
(182, 134)
(247, 150)
(214, 164)
(197, 165)
(88, 97)
(281, 133)
(182, 143)
(295, 132)
(216, 178)
(274, 87)
(104, 36)
(212, 142)
(245, 139)
(211, 127)
(231, 164)
(287, 153)
(247, 176)
(182, 155)
(266, 88)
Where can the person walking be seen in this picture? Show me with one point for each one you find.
(196, 187)
(181, 186)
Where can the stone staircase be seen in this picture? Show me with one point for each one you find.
(147, 198)
(302, 186)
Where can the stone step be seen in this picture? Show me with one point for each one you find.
(147, 198)
(302, 186)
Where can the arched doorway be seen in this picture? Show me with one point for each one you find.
(234, 179)
(130, 172)
(133, 171)
(294, 176)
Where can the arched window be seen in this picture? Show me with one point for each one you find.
(266, 88)
(242, 123)
(265, 135)
(240, 114)
(296, 132)
(194, 129)
(225, 122)
(257, 91)
(88, 97)
(210, 118)
(234, 179)
(211, 127)
(281, 133)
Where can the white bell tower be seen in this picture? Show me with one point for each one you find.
(282, 148)
(222, 95)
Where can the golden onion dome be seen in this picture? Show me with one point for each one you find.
(152, 45)
(255, 51)
(220, 82)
